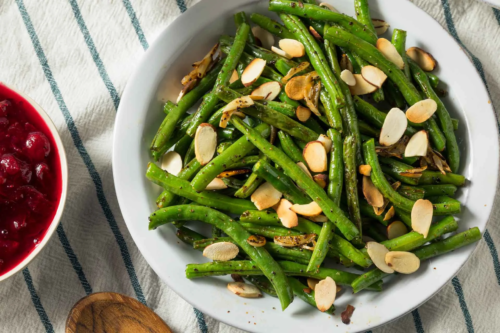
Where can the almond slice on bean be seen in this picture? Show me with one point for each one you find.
(311, 283)
(390, 214)
(347, 76)
(365, 170)
(222, 251)
(373, 76)
(268, 90)
(315, 34)
(244, 289)
(253, 71)
(293, 241)
(390, 53)
(402, 262)
(424, 59)
(421, 111)
(292, 47)
(310, 209)
(362, 87)
(371, 193)
(315, 155)
(265, 196)
(304, 168)
(234, 76)
(321, 179)
(205, 143)
(421, 216)
(418, 144)
(324, 293)
(287, 217)
(377, 253)
(294, 88)
(394, 127)
(380, 26)
(327, 5)
(396, 229)
(302, 113)
(345, 63)
(318, 218)
(256, 240)
(280, 52)
(216, 184)
(265, 37)
(172, 162)
(232, 107)
(326, 141)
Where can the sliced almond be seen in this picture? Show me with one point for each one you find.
(253, 71)
(280, 52)
(256, 241)
(421, 216)
(294, 71)
(402, 262)
(345, 63)
(371, 193)
(304, 168)
(396, 229)
(216, 184)
(265, 37)
(362, 87)
(201, 67)
(287, 217)
(222, 251)
(327, 5)
(302, 113)
(292, 47)
(244, 289)
(293, 241)
(315, 34)
(268, 90)
(205, 143)
(232, 107)
(234, 76)
(380, 26)
(390, 53)
(347, 76)
(325, 293)
(311, 283)
(319, 218)
(321, 179)
(390, 214)
(394, 127)
(373, 75)
(172, 163)
(421, 111)
(294, 88)
(365, 170)
(265, 196)
(231, 173)
(315, 155)
(423, 59)
(310, 209)
(377, 253)
(326, 141)
(418, 144)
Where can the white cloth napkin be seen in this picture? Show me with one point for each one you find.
(74, 58)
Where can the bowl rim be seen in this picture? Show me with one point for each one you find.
(64, 190)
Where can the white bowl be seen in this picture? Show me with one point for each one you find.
(64, 190)
(157, 79)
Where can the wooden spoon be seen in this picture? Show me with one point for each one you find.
(112, 312)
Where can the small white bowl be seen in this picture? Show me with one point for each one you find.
(64, 188)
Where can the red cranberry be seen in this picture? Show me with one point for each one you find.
(17, 136)
(4, 123)
(8, 246)
(35, 200)
(37, 146)
(13, 166)
(4, 107)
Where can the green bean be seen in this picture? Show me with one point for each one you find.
(190, 153)
(284, 108)
(290, 149)
(271, 25)
(223, 146)
(433, 80)
(353, 60)
(233, 182)
(367, 211)
(393, 95)
(399, 42)
(269, 231)
(227, 133)
(321, 14)
(263, 284)
(335, 171)
(374, 233)
(251, 184)
(169, 106)
(394, 169)
(205, 110)
(437, 178)
(435, 190)
(363, 13)
(299, 291)
(405, 217)
(351, 182)
(411, 192)
(239, 19)
(367, 129)
(188, 236)
(245, 162)
(182, 146)
(455, 123)
(443, 205)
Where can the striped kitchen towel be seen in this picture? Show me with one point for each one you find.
(74, 58)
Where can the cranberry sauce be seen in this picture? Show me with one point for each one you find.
(30, 179)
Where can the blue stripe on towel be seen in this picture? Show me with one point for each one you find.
(182, 5)
(463, 304)
(494, 254)
(136, 24)
(496, 12)
(417, 321)
(83, 152)
(36, 301)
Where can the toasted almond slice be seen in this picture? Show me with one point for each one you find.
(421, 216)
(294, 71)
(367, 239)
(311, 283)
(396, 229)
(288, 218)
(315, 155)
(315, 34)
(390, 214)
(423, 59)
(377, 253)
(345, 63)
(172, 162)
(292, 47)
(293, 241)
(402, 262)
(362, 87)
(244, 289)
(365, 170)
(324, 294)
(380, 26)
(348, 77)
(280, 52)
(265, 196)
(186, 88)
(321, 179)
(265, 37)
(327, 5)
(373, 75)
(421, 111)
(205, 143)
(253, 71)
(302, 113)
(394, 127)
(256, 241)
(304, 168)
(222, 251)
(232, 107)
(216, 184)
(326, 141)
(418, 144)
(230, 173)
(294, 88)
(371, 193)
(318, 218)
(390, 53)
(234, 76)
(268, 90)
(310, 209)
